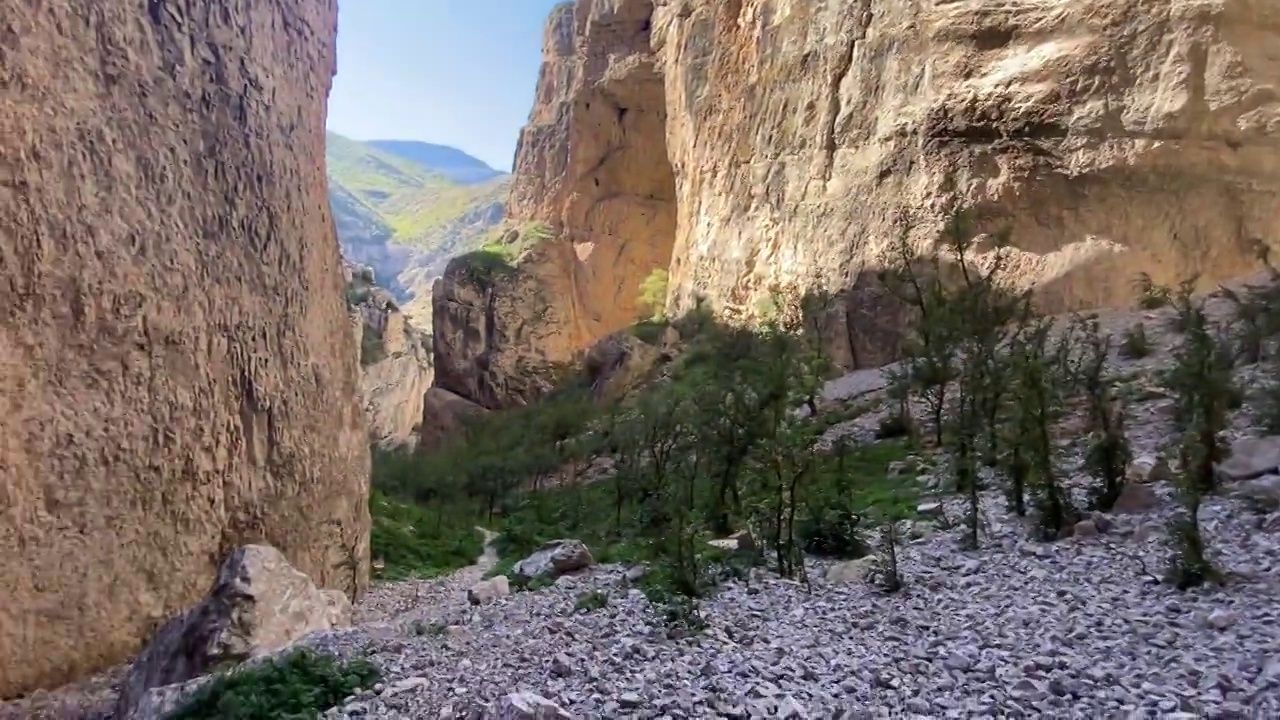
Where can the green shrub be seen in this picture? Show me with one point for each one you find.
(1150, 295)
(298, 686)
(653, 294)
(487, 265)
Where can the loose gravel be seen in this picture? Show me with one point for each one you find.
(1017, 628)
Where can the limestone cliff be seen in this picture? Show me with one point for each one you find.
(177, 375)
(590, 168)
(1111, 136)
(395, 360)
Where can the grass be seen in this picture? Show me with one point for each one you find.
(415, 541)
(300, 685)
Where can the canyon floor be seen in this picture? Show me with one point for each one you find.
(1019, 628)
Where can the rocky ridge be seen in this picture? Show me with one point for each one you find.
(177, 376)
(395, 361)
(746, 145)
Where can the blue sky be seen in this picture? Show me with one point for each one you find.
(453, 72)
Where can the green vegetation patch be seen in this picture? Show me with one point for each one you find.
(712, 448)
(298, 686)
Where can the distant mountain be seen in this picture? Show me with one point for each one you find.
(451, 162)
(405, 207)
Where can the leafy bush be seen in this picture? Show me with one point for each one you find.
(653, 294)
(487, 265)
(297, 687)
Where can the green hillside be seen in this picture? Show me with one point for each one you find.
(375, 192)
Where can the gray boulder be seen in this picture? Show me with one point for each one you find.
(553, 559)
(258, 605)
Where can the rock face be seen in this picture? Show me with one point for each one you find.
(395, 360)
(177, 375)
(591, 167)
(259, 604)
(1112, 136)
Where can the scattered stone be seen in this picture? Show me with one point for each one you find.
(405, 685)
(1263, 493)
(486, 591)
(1221, 619)
(899, 468)
(1135, 498)
(561, 665)
(1101, 522)
(529, 706)
(851, 571)
(1085, 529)
(930, 509)
(740, 541)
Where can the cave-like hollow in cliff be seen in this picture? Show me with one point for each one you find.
(623, 215)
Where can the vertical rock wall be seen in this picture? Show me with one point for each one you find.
(1112, 136)
(177, 373)
(592, 169)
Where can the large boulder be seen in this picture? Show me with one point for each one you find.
(1251, 457)
(553, 559)
(259, 604)
(178, 375)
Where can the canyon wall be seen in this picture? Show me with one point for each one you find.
(591, 168)
(1111, 136)
(177, 372)
(395, 360)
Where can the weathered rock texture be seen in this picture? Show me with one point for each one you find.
(177, 375)
(395, 359)
(591, 165)
(1112, 136)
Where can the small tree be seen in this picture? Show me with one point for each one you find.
(1189, 566)
(1109, 453)
(1040, 397)
(929, 347)
(653, 294)
(784, 460)
(1201, 380)
(1251, 320)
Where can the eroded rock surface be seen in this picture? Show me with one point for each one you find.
(591, 167)
(177, 375)
(761, 143)
(1113, 136)
(395, 361)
